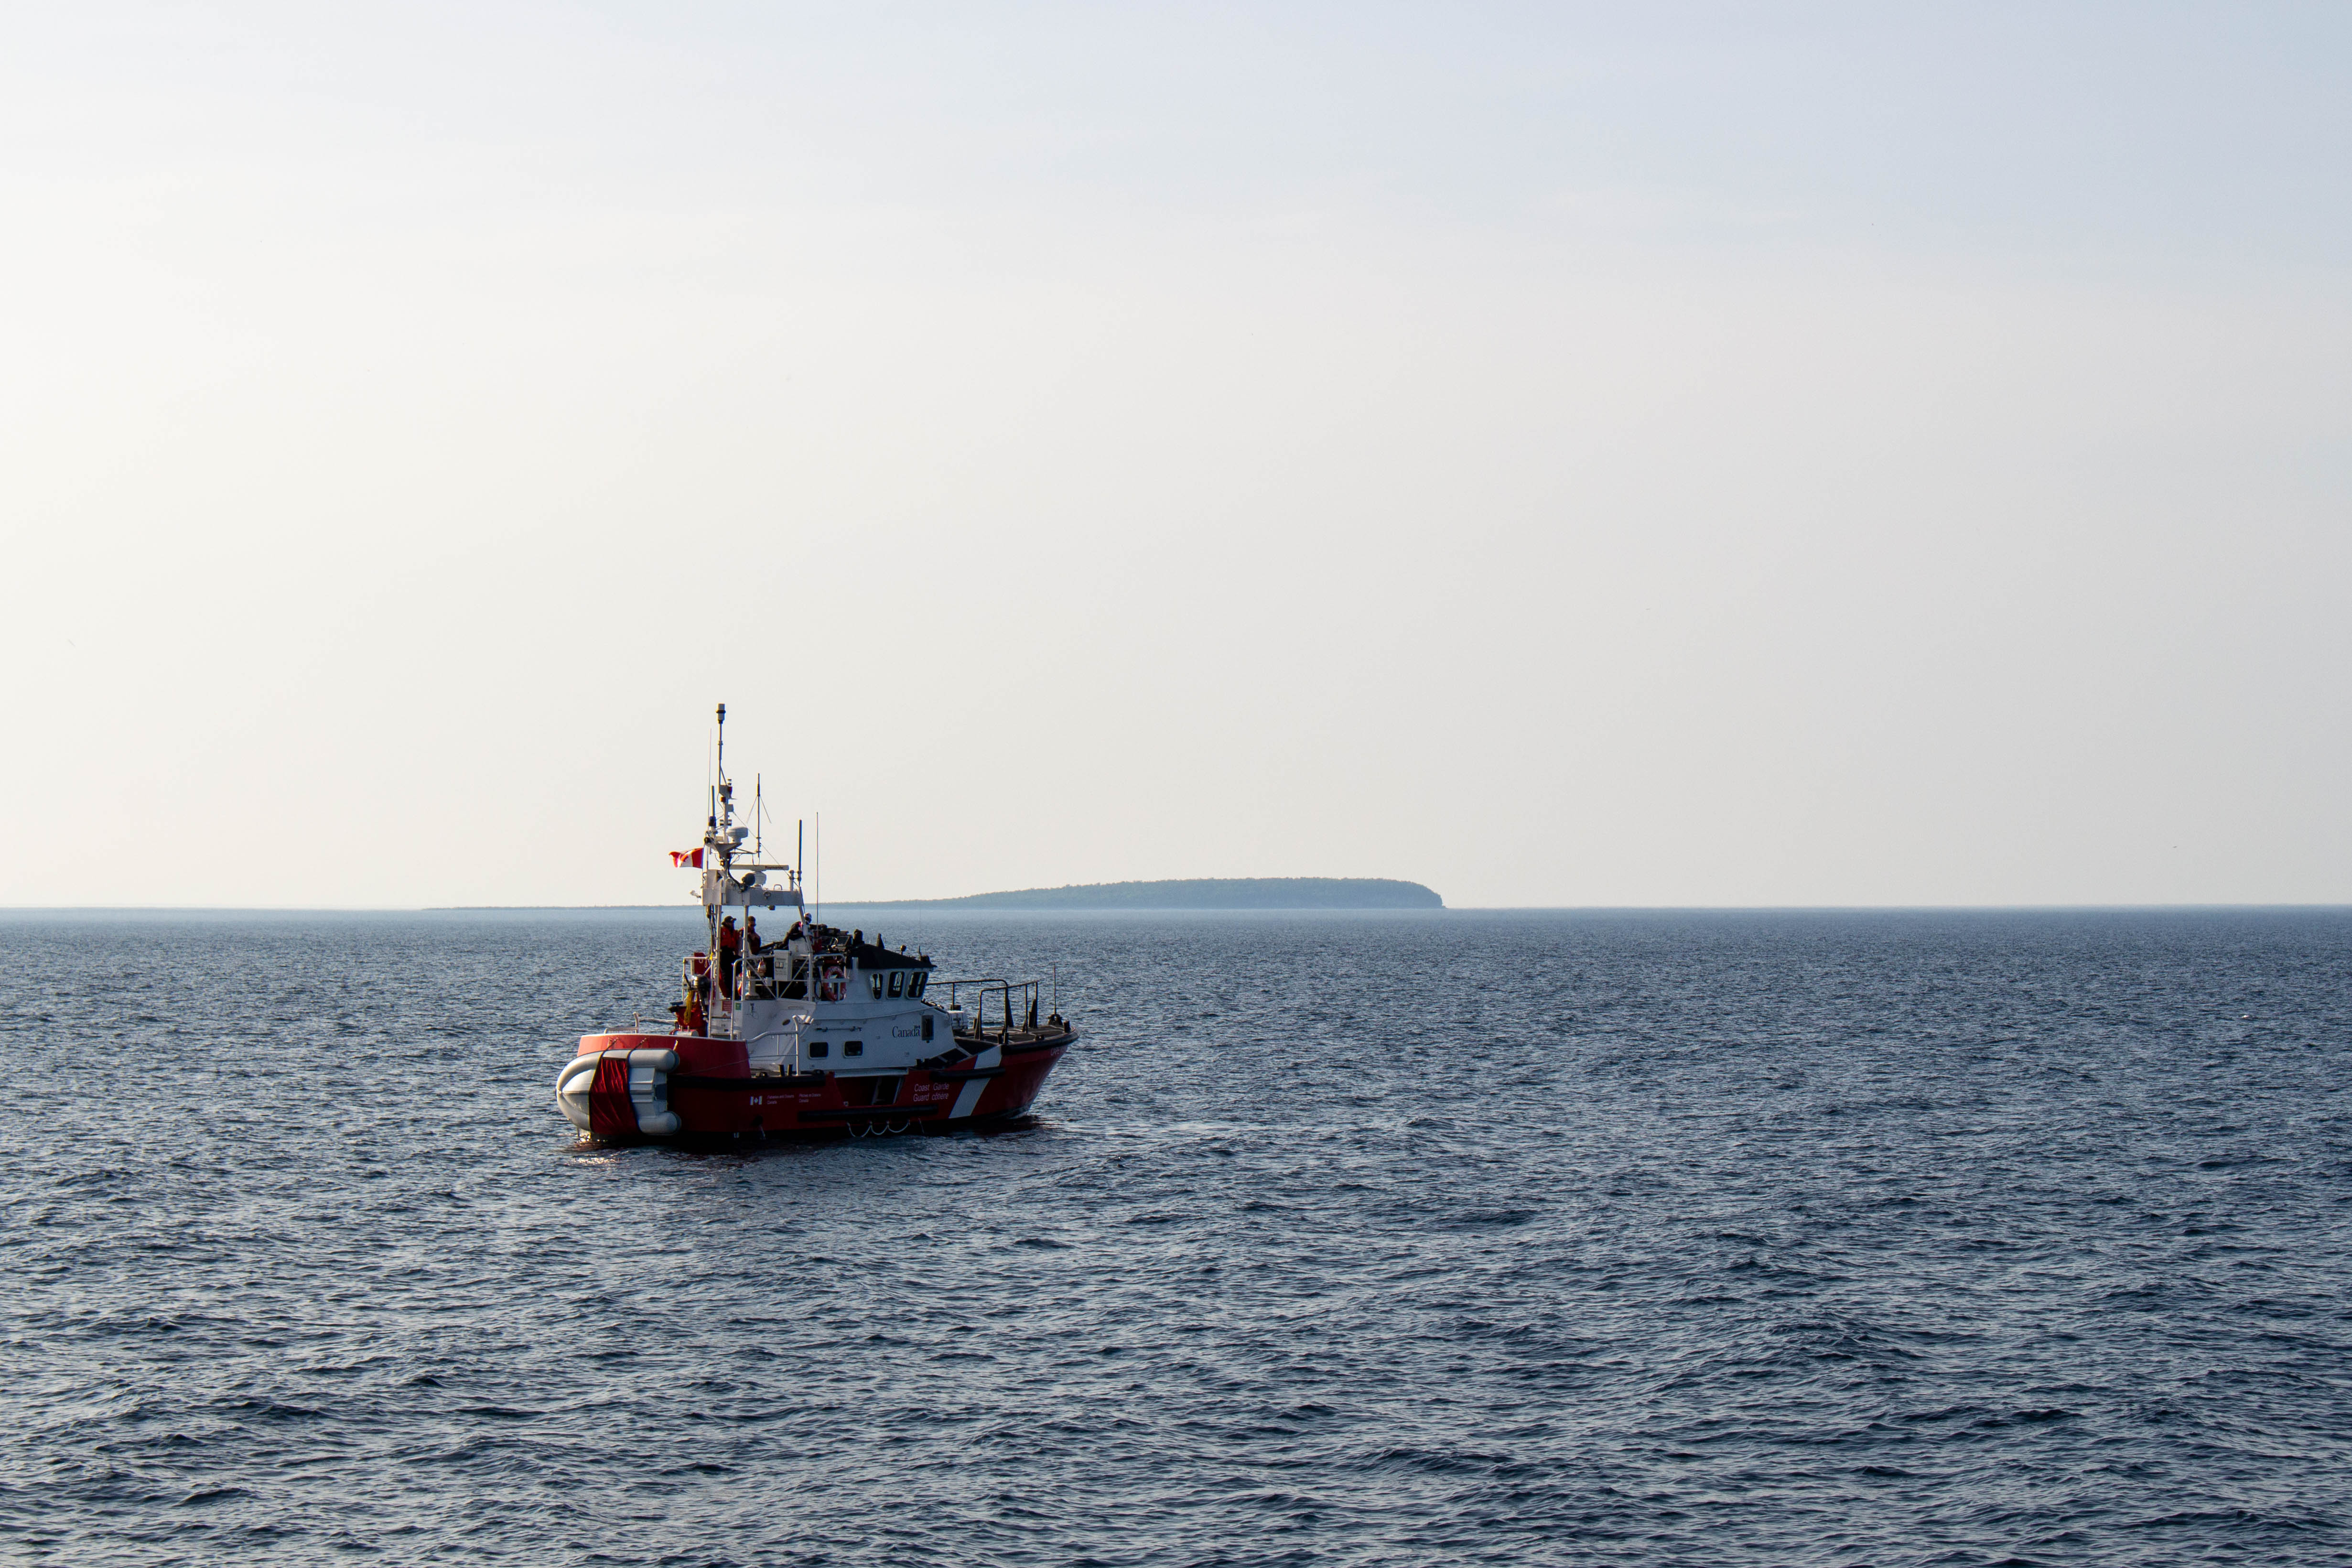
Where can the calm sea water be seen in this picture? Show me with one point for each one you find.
(1656, 1238)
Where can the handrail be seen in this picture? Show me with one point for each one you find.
(722, 1010)
(953, 984)
(1003, 989)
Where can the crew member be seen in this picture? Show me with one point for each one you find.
(730, 947)
(754, 950)
(697, 1001)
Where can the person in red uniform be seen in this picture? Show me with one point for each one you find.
(730, 947)
(698, 996)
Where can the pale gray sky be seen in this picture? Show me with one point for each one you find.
(1565, 455)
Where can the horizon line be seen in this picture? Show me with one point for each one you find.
(951, 907)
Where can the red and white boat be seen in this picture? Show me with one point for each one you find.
(822, 1034)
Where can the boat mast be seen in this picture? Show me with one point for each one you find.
(722, 815)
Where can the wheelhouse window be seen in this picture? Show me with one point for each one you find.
(874, 982)
(917, 981)
(898, 981)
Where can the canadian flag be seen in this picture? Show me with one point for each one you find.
(687, 857)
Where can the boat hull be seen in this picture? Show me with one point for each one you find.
(692, 1088)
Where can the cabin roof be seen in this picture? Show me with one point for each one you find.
(870, 956)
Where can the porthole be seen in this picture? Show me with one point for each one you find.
(818, 1047)
(853, 1047)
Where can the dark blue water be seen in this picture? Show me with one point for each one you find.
(1802, 1239)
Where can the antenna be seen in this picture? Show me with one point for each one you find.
(800, 850)
(759, 817)
(722, 739)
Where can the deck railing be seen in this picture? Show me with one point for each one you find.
(997, 1005)
(1016, 1002)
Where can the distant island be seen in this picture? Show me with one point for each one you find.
(1197, 893)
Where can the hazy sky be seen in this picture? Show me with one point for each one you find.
(1565, 455)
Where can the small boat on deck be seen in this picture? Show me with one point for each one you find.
(820, 1035)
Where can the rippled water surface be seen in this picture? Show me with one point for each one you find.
(1654, 1238)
